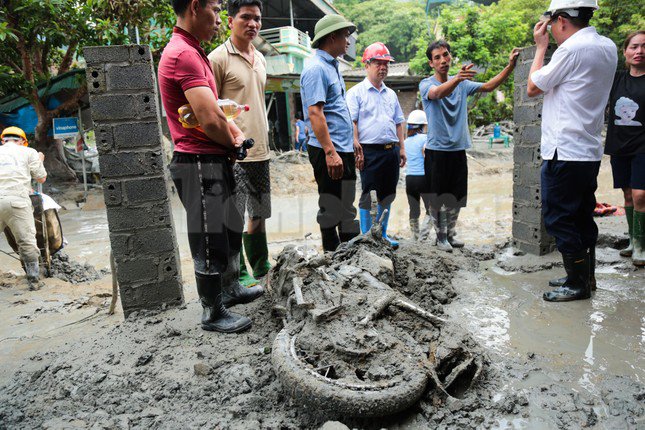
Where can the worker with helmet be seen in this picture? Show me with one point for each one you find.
(378, 134)
(576, 85)
(415, 179)
(19, 164)
(445, 100)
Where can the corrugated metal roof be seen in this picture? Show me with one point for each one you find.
(67, 81)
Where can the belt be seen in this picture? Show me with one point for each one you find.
(381, 146)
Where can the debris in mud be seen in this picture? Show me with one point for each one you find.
(62, 267)
(354, 344)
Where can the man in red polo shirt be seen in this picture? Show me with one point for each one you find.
(201, 167)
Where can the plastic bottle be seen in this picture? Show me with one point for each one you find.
(497, 131)
(230, 108)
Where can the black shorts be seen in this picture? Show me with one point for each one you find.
(628, 171)
(447, 173)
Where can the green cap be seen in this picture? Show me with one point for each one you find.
(328, 24)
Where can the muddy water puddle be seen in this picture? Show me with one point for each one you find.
(583, 347)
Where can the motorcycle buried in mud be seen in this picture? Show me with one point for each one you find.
(352, 345)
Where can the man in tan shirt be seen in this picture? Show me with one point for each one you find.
(240, 75)
(18, 165)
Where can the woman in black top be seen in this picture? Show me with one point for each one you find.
(626, 141)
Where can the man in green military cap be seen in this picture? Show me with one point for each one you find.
(332, 153)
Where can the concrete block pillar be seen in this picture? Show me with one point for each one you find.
(529, 233)
(123, 100)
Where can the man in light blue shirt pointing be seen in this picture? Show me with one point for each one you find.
(378, 132)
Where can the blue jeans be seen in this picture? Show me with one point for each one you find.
(568, 202)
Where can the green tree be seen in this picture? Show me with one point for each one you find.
(41, 39)
(379, 21)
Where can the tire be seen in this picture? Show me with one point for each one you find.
(339, 399)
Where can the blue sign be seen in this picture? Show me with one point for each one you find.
(65, 127)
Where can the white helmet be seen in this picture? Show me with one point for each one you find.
(570, 6)
(417, 117)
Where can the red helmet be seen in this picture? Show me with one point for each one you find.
(376, 51)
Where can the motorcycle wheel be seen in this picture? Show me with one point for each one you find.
(335, 397)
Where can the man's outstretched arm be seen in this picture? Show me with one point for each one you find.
(503, 75)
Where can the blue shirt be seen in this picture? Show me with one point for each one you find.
(414, 153)
(321, 81)
(301, 130)
(375, 111)
(448, 117)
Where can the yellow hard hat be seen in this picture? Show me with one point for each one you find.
(15, 131)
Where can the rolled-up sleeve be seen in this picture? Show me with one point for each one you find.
(36, 167)
(554, 73)
(313, 87)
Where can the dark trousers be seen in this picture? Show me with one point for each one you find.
(568, 202)
(206, 188)
(380, 174)
(336, 197)
(416, 189)
(447, 176)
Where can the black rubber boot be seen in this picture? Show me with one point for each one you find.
(577, 286)
(330, 239)
(592, 272)
(592, 268)
(215, 316)
(233, 292)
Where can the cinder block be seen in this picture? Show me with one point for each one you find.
(95, 77)
(128, 164)
(161, 240)
(526, 194)
(527, 214)
(106, 107)
(527, 113)
(528, 135)
(168, 268)
(140, 54)
(144, 242)
(147, 105)
(104, 138)
(122, 219)
(151, 295)
(137, 270)
(95, 55)
(129, 77)
(528, 175)
(112, 192)
(530, 232)
(534, 248)
(121, 244)
(145, 190)
(529, 155)
(136, 135)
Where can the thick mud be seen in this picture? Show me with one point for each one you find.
(63, 268)
(65, 363)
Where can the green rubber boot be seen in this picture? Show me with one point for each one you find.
(629, 214)
(257, 250)
(638, 238)
(245, 277)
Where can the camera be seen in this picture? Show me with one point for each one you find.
(241, 152)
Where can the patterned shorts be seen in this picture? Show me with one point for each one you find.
(253, 188)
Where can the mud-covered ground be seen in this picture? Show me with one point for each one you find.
(65, 363)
